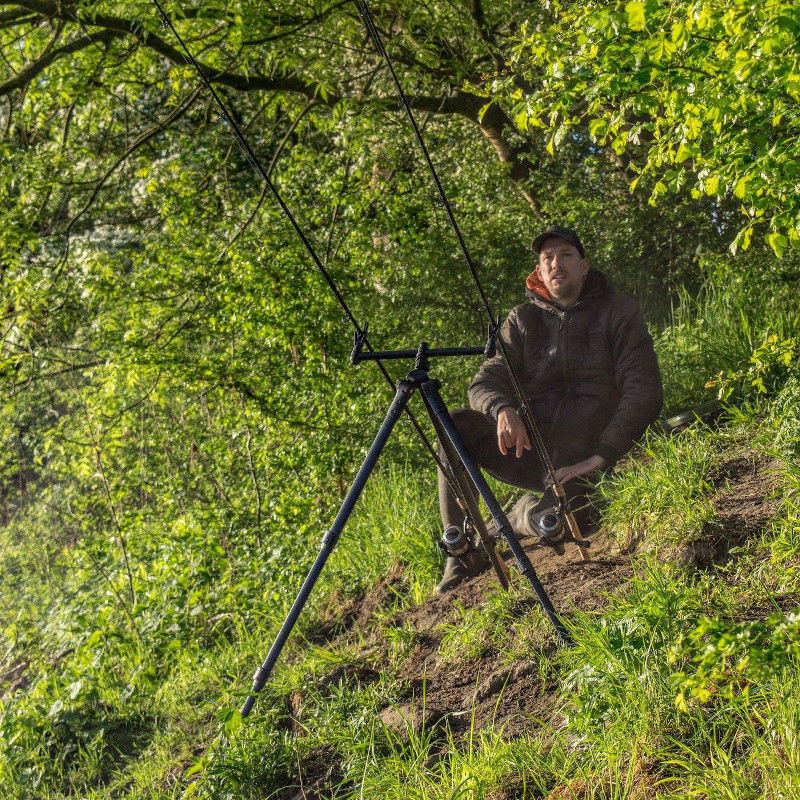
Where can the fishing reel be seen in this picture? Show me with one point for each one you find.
(548, 523)
(457, 540)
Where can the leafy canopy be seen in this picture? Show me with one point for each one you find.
(701, 94)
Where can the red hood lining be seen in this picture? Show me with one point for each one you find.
(535, 284)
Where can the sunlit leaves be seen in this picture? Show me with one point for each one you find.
(636, 15)
(708, 88)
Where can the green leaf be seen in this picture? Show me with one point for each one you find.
(684, 153)
(778, 242)
(598, 128)
(636, 15)
(742, 239)
(693, 127)
(740, 187)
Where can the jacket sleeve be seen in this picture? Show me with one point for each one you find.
(638, 379)
(491, 388)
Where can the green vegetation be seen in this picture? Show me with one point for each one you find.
(179, 423)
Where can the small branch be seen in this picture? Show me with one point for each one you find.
(113, 511)
(275, 156)
(335, 212)
(484, 33)
(251, 467)
(13, 390)
(298, 26)
(115, 592)
(119, 26)
(17, 16)
(159, 127)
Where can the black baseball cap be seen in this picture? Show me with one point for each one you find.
(557, 232)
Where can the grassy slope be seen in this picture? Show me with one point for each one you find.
(685, 685)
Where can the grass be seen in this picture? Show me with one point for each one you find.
(494, 627)
(663, 494)
(717, 330)
(395, 521)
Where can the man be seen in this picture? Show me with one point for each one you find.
(589, 375)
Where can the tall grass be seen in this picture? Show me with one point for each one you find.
(663, 494)
(717, 330)
(395, 522)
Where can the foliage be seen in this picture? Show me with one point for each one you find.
(785, 410)
(728, 659)
(663, 494)
(771, 365)
(715, 330)
(690, 94)
(179, 423)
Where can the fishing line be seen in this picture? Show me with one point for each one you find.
(530, 423)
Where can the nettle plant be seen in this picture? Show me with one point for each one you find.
(725, 660)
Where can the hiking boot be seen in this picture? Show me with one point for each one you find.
(457, 569)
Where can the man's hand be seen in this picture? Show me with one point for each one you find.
(564, 474)
(511, 433)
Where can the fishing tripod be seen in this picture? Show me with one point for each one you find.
(462, 471)
(457, 454)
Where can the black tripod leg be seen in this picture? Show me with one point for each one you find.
(465, 490)
(329, 540)
(430, 391)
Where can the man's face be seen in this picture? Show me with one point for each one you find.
(562, 270)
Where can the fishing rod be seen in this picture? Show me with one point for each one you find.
(534, 433)
(416, 379)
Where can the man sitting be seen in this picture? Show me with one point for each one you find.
(589, 375)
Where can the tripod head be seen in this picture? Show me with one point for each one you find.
(422, 354)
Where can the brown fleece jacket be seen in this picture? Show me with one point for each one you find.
(589, 373)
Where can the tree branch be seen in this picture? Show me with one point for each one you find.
(25, 76)
(462, 103)
(299, 24)
(160, 126)
(276, 155)
(492, 124)
(484, 33)
(15, 17)
(120, 26)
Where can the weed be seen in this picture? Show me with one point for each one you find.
(507, 623)
(394, 521)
